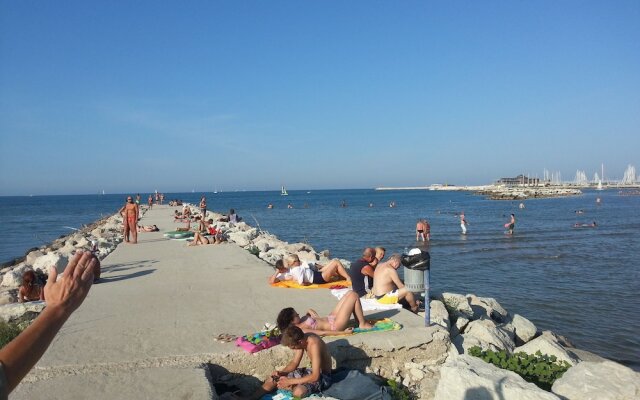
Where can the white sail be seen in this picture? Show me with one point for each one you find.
(283, 192)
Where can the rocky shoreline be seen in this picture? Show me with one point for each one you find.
(439, 368)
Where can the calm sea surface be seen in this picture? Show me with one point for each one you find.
(580, 283)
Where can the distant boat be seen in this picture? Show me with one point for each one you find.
(599, 185)
(103, 192)
(215, 190)
(283, 192)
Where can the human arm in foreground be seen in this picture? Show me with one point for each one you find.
(63, 296)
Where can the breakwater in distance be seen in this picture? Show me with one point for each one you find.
(578, 282)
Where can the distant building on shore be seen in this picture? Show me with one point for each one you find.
(519, 180)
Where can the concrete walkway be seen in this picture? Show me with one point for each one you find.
(148, 328)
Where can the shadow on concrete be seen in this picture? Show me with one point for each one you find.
(128, 266)
(126, 276)
(382, 314)
(224, 382)
(348, 356)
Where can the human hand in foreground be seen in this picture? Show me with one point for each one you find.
(349, 331)
(283, 383)
(69, 291)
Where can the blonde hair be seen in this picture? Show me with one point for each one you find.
(292, 258)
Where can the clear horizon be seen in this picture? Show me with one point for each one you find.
(251, 96)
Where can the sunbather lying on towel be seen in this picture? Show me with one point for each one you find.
(333, 324)
(305, 274)
(148, 228)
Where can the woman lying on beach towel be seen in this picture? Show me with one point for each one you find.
(199, 238)
(333, 324)
(148, 228)
(305, 273)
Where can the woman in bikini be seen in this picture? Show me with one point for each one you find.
(333, 324)
(30, 289)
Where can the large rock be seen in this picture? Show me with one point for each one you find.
(524, 329)
(8, 297)
(240, 238)
(33, 256)
(10, 312)
(470, 378)
(13, 278)
(548, 344)
(439, 314)
(308, 256)
(48, 260)
(487, 306)
(297, 247)
(459, 326)
(457, 305)
(598, 381)
(489, 335)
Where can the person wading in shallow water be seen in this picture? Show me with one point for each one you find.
(511, 224)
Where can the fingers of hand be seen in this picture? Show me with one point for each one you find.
(73, 262)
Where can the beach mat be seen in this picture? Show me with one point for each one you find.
(255, 342)
(295, 285)
(178, 234)
(382, 325)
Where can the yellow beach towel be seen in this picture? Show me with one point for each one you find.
(296, 285)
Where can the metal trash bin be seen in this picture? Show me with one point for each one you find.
(417, 265)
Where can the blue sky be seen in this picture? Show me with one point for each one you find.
(138, 96)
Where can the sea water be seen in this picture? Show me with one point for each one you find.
(578, 282)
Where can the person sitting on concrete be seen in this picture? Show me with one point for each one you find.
(305, 274)
(361, 270)
(64, 295)
(333, 324)
(301, 381)
(388, 288)
(30, 290)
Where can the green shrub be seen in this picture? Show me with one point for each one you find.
(254, 250)
(398, 391)
(8, 331)
(540, 369)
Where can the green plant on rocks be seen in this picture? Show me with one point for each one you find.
(539, 369)
(8, 331)
(398, 391)
(254, 250)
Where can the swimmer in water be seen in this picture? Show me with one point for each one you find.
(511, 224)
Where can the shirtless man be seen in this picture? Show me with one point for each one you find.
(387, 286)
(423, 230)
(130, 215)
(301, 381)
(150, 201)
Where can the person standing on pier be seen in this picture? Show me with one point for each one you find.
(150, 201)
(203, 207)
(130, 214)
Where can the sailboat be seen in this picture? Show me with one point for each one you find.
(283, 192)
(601, 178)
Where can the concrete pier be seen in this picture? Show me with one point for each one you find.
(147, 329)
